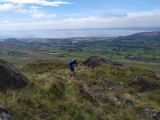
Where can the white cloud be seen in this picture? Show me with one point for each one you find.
(154, 12)
(4, 22)
(20, 6)
(38, 2)
(10, 7)
(6, 7)
(132, 19)
(142, 18)
(35, 13)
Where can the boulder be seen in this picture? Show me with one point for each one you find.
(152, 114)
(90, 93)
(143, 84)
(4, 113)
(10, 77)
(94, 61)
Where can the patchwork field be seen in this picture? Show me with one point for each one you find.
(107, 92)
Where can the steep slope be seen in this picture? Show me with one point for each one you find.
(103, 93)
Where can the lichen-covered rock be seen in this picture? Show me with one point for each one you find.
(94, 61)
(4, 113)
(142, 84)
(86, 92)
(10, 77)
(152, 114)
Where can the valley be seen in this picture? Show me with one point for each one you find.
(124, 83)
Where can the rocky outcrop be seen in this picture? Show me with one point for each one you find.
(152, 114)
(112, 85)
(4, 113)
(94, 61)
(86, 92)
(143, 84)
(10, 77)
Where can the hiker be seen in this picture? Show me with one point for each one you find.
(71, 65)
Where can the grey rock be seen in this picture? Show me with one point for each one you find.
(112, 99)
(129, 103)
(121, 83)
(90, 93)
(152, 114)
(5, 116)
(157, 75)
(143, 84)
(4, 113)
(3, 108)
(87, 92)
(10, 77)
(109, 85)
(141, 94)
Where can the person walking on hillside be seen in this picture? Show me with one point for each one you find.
(71, 65)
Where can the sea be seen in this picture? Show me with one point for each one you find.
(69, 33)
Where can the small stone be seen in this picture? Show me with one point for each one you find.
(112, 99)
(141, 94)
(129, 103)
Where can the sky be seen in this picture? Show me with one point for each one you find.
(32, 15)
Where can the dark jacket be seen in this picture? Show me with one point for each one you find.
(71, 64)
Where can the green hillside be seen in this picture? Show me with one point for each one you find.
(103, 93)
(107, 92)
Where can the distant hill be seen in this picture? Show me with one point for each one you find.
(153, 36)
(147, 34)
(144, 40)
(13, 41)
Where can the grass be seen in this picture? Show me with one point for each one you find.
(53, 95)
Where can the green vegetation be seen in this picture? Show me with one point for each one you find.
(103, 93)
(52, 94)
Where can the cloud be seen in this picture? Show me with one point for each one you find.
(35, 13)
(38, 2)
(114, 13)
(4, 22)
(141, 18)
(10, 7)
(131, 19)
(20, 6)
(6, 7)
(154, 12)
